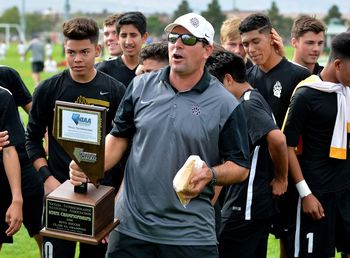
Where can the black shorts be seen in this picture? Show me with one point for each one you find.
(320, 238)
(244, 239)
(283, 220)
(4, 204)
(123, 246)
(60, 248)
(37, 67)
(33, 199)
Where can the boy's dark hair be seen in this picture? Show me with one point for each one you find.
(134, 18)
(157, 51)
(225, 62)
(256, 21)
(340, 47)
(306, 23)
(81, 28)
(111, 20)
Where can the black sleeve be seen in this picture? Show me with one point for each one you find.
(123, 123)
(233, 141)
(296, 116)
(118, 93)
(259, 120)
(9, 118)
(102, 67)
(18, 89)
(38, 120)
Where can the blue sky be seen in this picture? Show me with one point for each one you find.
(150, 6)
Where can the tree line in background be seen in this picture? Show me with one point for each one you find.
(42, 23)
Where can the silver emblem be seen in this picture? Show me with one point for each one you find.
(194, 22)
(277, 89)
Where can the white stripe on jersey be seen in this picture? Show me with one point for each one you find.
(248, 207)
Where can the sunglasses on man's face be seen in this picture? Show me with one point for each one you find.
(187, 39)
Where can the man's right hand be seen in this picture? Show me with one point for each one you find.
(312, 207)
(4, 139)
(51, 183)
(77, 176)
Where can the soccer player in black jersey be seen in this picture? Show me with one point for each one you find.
(10, 171)
(80, 83)
(319, 112)
(275, 78)
(307, 38)
(248, 207)
(132, 33)
(32, 186)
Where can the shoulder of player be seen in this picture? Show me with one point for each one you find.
(297, 68)
(4, 93)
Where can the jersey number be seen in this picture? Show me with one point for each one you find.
(310, 245)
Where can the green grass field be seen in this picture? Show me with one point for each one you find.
(23, 246)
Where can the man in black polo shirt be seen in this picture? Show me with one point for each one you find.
(248, 207)
(319, 112)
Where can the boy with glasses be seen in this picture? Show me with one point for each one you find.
(169, 115)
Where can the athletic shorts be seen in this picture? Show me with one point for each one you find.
(4, 204)
(37, 67)
(59, 248)
(32, 215)
(282, 221)
(244, 239)
(123, 246)
(319, 238)
(33, 199)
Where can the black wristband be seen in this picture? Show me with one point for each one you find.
(214, 176)
(44, 173)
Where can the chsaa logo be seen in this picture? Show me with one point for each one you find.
(77, 119)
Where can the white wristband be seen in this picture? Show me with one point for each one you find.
(303, 189)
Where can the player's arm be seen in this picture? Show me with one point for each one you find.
(115, 147)
(279, 155)
(311, 205)
(14, 215)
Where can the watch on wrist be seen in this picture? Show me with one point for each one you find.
(214, 176)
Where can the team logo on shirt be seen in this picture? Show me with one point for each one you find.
(277, 89)
(196, 110)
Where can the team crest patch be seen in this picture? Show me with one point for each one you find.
(196, 110)
(194, 22)
(277, 89)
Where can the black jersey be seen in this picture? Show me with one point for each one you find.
(248, 64)
(252, 199)
(277, 85)
(11, 80)
(117, 69)
(317, 69)
(9, 119)
(102, 91)
(312, 115)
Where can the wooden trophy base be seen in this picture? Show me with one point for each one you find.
(79, 238)
(84, 217)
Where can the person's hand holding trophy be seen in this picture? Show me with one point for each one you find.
(85, 214)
